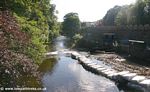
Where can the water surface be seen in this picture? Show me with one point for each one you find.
(66, 75)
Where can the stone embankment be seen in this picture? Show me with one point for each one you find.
(124, 78)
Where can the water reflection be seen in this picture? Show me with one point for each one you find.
(60, 43)
(66, 75)
(47, 65)
(69, 76)
(28, 81)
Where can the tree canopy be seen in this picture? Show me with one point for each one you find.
(71, 24)
(134, 14)
(25, 28)
(109, 18)
(37, 19)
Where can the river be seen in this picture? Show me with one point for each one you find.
(67, 75)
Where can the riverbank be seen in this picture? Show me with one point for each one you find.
(17, 70)
(120, 63)
(122, 78)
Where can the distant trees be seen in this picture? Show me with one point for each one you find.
(134, 14)
(121, 16)
(109, 18)
(71, 24)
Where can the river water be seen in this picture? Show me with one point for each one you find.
(64, 74)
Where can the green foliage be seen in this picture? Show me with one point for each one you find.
(71, 24)
(109, 18)
(36, 18)
(25, 27)
(121, 17)
(54, 26)
(14, 62)
(76, 39)
(136, 14)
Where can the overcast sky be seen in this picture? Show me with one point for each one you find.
(88, 10)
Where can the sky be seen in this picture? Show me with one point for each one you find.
(88, 10)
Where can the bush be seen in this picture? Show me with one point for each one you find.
(76, 39)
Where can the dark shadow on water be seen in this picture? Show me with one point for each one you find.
(47, 65)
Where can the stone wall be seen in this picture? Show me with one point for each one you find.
(93, 37)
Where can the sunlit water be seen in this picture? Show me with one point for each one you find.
(66, 75)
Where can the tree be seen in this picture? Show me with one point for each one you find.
(121, 17)
(71, 24)
(54, 26)
(37, 19)
(109, 18)
(25, 25)
(138, 11)
(134, 14)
